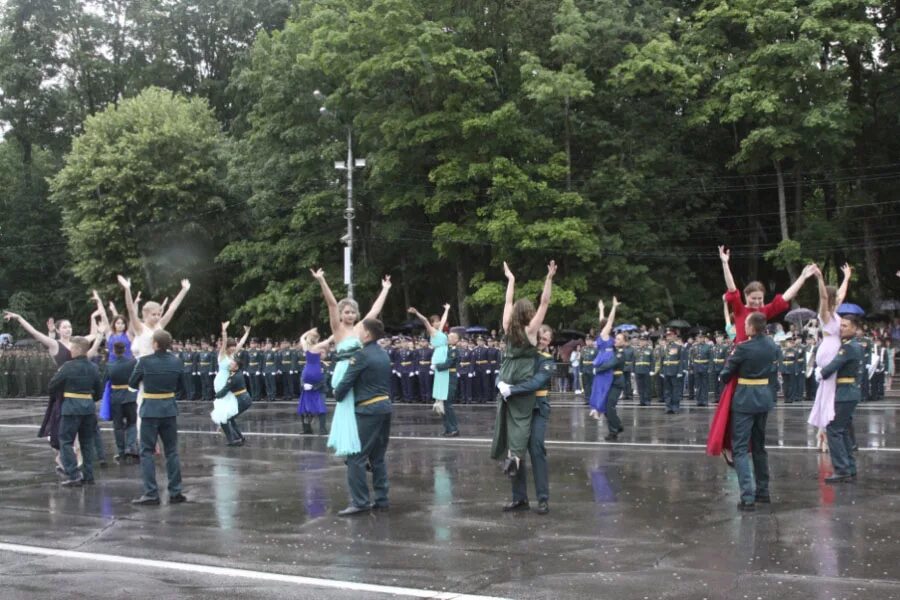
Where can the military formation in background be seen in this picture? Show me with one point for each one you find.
(662, 366)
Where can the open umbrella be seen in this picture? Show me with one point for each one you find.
(626, 327)
(565, 351)
(800, 315)
(678, 324)
(850, 309)
(477, 329)
(889, 305)
(569, 334)
(458, 330)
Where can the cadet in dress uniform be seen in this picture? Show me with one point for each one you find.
(721, 351)
(787, 366)
(205, 369)
(160, 373)
(493, 368)
(659, 380)
(627, 369)
(269, 370)
(423, 358)
(845, 367)
(588, 354)
(81, 387)
(703, 357)
(254, 369)
(289, 371)
(751, 362)
(799, 378)
(773, 372)
(643, 366)
(368, 375)
(187, 373)
(674, 365)
(123, 404)
(480, 390)
(466, 373)
(866, 344)
(407, 368)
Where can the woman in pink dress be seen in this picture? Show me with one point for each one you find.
(830, 298)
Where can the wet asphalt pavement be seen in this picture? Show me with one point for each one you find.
(648, 517)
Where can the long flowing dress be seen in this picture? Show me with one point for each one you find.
(720, 429)
(441, 385)
(226, 407)
(344, 435)
(603, 380)
(512, 425)
(311, 401)
(822, 412)
(50, 423)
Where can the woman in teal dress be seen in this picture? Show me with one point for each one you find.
(521, 323)
(227, 407)
(435, 328)
(343, 317)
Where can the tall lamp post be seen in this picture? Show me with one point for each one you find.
(349, 212)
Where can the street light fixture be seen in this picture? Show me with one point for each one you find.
(349, 212)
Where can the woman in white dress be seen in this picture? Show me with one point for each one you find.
(226, 407)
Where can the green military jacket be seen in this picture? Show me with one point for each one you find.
(79, 381)
(628, 354)
(369, 376)
(846, 366)
(674, 360)
(160, 373)
(702, 357)
(588, 354)
(751, 362)
(788, 363)
(643, 361)
(539, 383)
(118, 373)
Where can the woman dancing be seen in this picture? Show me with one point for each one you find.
(605, 352)
(521, 323)
(345, 330)
(435, 327)
(830, 298)
(719, 440)
(153, 317)
(59, 350)
(312, 396)
(225, 408)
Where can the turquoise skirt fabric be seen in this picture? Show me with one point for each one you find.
(344, 435)
(441, 385)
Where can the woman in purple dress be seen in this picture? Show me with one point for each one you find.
(605, 349)
(312, 397)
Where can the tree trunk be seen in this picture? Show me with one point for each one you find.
(798, 198)
(782, 214)
(461, 293)
(753, 207)
(877, 294)
(568, 148)
(405, 284)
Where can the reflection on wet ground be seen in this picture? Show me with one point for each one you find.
(650, 517)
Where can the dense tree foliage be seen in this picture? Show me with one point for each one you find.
(623, 139)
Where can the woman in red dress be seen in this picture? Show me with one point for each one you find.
(719, 441)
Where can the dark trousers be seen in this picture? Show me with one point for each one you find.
(124, 417)
(374, 434)
(812, 387)
(538, 453)
(840, 445)
(689, 386)
(613, 422)
(187, 382)
(165, 429)
(878, 385)
(628, 391)
(864, 388)
(396, 388)
(748, 430)
(255, 388)
(587, 381)
(408, 387)
(465, 388)
(288, 385)
(643, 388)
(450, 423)
(701, 388)
(425, 384)
(672, 388)
(270, 386)
(480, 391)
(719, 385)
(83, 426)
(788, 387)
(206, 388)
(231, 430)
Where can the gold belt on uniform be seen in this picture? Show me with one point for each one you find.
(641, 363)
(481, 362)
(256, 363)
(719, 360)
(406, 363)
(464, 364)
(373, 400)
(77, 396)
(846, 380)
(701, 362)
(118, 387)
(672, 362)
(542, 393)
(239, 392)
(744, 381)
(453, 370)
(424, 362)
(787, 362)
(159, 396)
(617, 373)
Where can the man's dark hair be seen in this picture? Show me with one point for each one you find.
(857, 323)
(119, 348)
(374, 327)
(162, 339)
(757, 321)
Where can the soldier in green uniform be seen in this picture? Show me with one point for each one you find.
(659, 356)
(269, 370)
(799, 378)
(616, 364)
(123, 404)
(4, 373)
(674, 366)
(288, 370)
(254, 369)
(187, 373)
(643, 366)
(451, 426)
(588, 354)
(160, 373)
(539, 384)
(79, 382)
(787, 366)
(866, 344)
(846, 367)
(702, 361)
(723, 347)
(205, 362)
(628, 354)
(237, 386)
(751, 362)
(369, 377)
(773, 373)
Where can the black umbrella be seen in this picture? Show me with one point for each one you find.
(678, 324)
(799, 315)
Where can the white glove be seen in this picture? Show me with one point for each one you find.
(471, 374)
(258, 373)
(438, 407)
(396, 373)
(417, 373)
(307, 386)
(504, 389)
(818, 373)
(488, 372)
(661, 375)
(278, 372)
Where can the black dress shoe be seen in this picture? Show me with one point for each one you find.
(235, 443)
(177, 498)
(73, 483)
(543, 508)
(103, 464)
(612, 437)
(670, 412)
(621, 430)
(746, 506)
(146, 501)
(354, 510)
(516, 505)
(381, 507)
(839, 479)
(764, 499)
(89, 482)
(451, 434)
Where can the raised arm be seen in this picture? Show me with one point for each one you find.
(791, 292)
(845, 285)
(823, 298)
(223, 340)
(607, 329)
(510, 295)
(725, 257)
(601, 310)
(95, 345)
(167, 316)
(334, 318)
(304, 342)
(727, 311)
(130, 306)
(444, 316)
(538, 319)
(49, 343)
(379, 301)
(411, 310)
(323, 345)
(243, 340)
(101, 310)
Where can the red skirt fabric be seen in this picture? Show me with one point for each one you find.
(720, 429)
